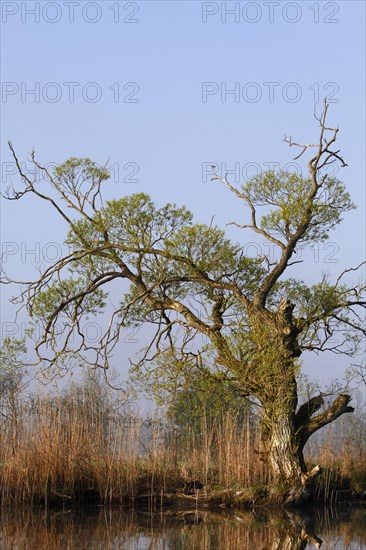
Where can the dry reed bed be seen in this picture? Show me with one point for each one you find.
(86, 445)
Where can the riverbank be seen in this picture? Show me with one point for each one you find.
(86, 445)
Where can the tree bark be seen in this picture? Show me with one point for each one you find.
(283, 456)
(292, 483)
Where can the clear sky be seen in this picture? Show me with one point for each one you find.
(164, 88)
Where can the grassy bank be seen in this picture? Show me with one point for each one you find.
(86, 444)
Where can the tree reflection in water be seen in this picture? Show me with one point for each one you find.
(118, 529)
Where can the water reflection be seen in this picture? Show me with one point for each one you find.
(117, 529)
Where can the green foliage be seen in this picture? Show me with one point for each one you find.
(72, 175)
(12, 371)
(170, 372)
(133, 222)
(287, 195)
(207, 400)
(166, 248)
(163, 242)
(323, 312)
(316, 300)
(63, 292)
(192, 394)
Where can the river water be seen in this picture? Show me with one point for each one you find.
(90, 528)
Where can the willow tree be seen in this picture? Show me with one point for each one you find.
(212, 307)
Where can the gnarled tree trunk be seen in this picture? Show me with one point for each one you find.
(291, 481)
(284, 440)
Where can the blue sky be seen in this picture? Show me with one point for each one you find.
(147, 85)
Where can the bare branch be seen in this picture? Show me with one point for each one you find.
(253, 225)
